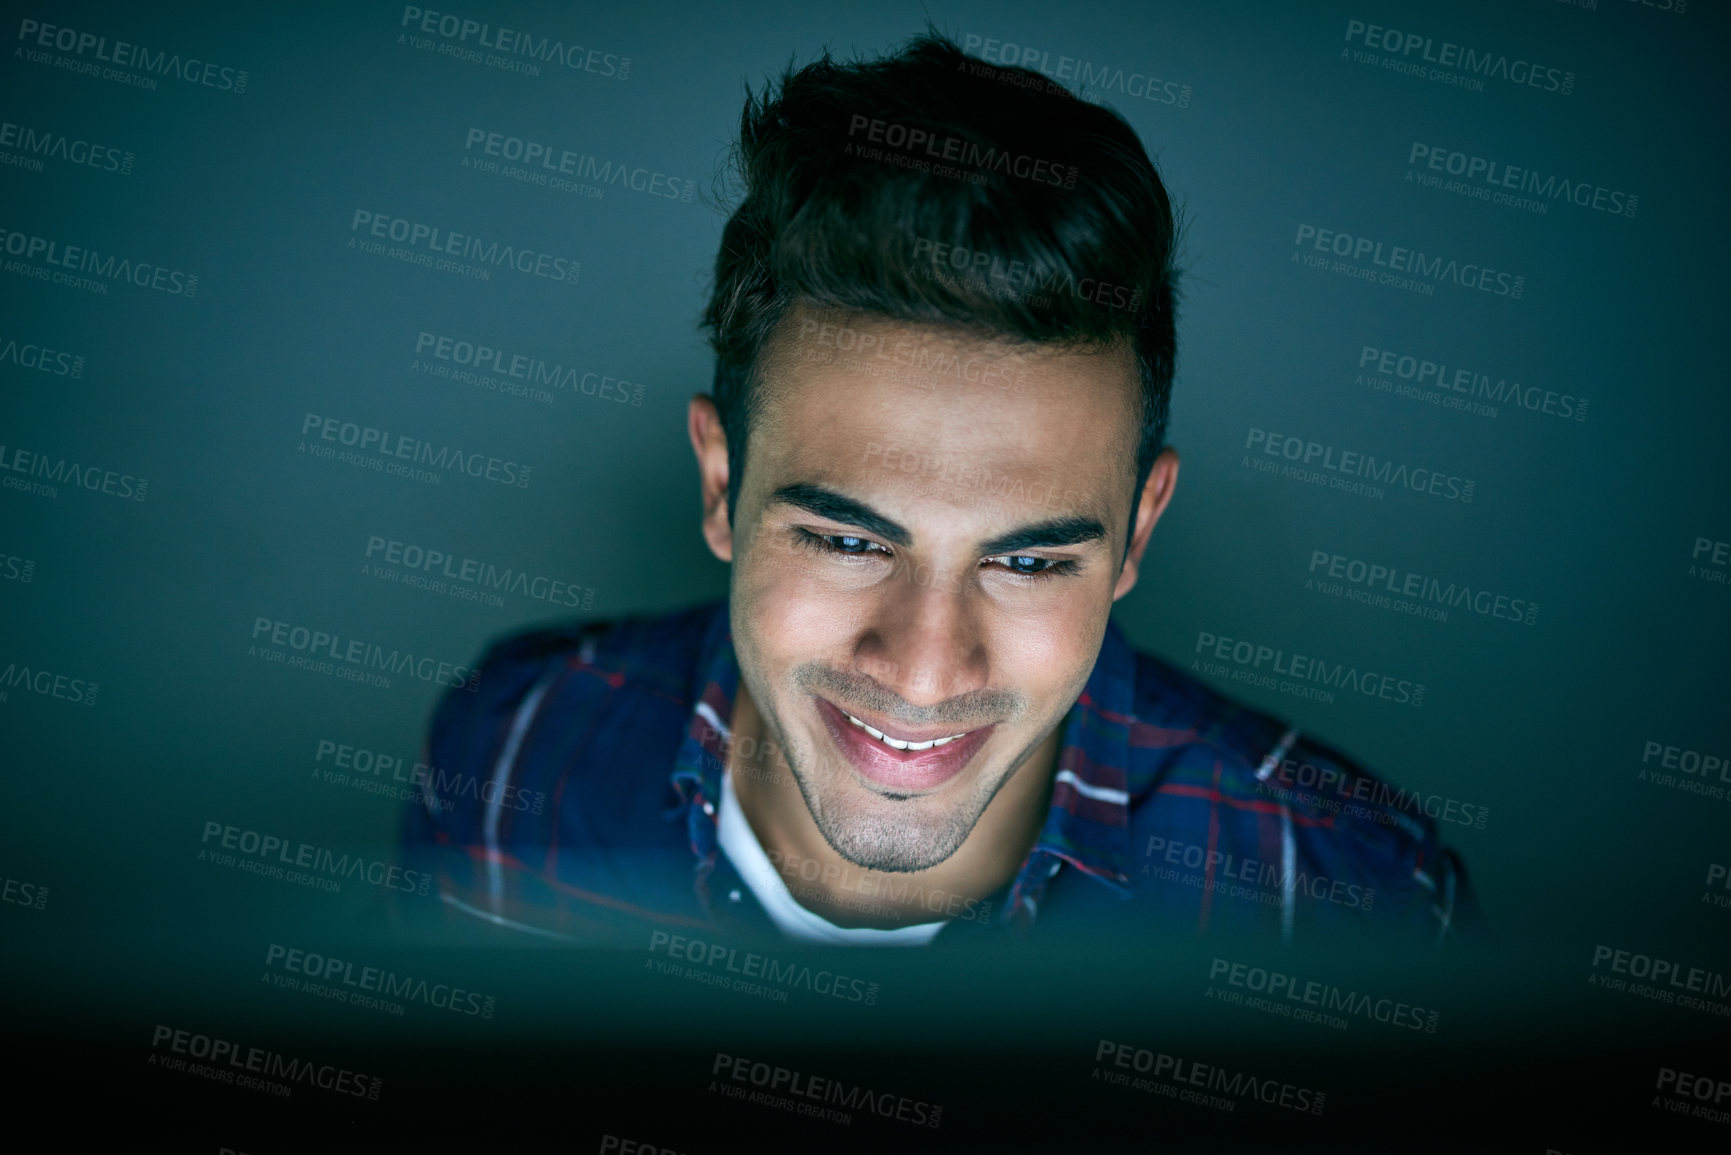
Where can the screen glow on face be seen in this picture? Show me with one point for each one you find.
(923, 574)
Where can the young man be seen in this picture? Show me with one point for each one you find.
(943, 318)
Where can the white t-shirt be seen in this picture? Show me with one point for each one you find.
(739, 842)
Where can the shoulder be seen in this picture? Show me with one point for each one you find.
(646, 655)
(1257, 805)
(554, 699)
(545, 782)
(649, 651)
(1180, 726)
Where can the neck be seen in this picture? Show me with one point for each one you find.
(827, 884)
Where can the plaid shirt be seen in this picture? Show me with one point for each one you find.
(572, 792)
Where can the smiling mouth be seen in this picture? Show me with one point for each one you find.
(899, 744)
(914, 764)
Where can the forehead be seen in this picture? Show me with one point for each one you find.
(878, 405)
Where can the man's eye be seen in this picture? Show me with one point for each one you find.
(1029, 566)
(842, 543)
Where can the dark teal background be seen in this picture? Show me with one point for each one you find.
(1541, 725)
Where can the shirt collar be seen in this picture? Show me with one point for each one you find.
(1088, 822)
(702, 756)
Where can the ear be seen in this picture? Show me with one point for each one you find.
(1155, 496)
(709, 442)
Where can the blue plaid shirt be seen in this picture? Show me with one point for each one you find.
(572, 792)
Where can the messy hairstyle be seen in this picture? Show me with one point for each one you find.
(932, 187)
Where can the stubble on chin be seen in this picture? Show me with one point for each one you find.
(881, 835)
(895, 834)
(891, 833)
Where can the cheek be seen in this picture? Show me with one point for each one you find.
(1051, 651)
(792, 612)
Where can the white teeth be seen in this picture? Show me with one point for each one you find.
(897, 743)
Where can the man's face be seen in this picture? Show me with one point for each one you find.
(926, 548)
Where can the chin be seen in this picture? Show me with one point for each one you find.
(888, 844)
(889, 832)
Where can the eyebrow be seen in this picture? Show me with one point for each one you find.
(1058, 531)
(827, 503)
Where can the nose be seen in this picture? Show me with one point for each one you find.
(925, 639)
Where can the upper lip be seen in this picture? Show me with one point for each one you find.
(903, 733)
